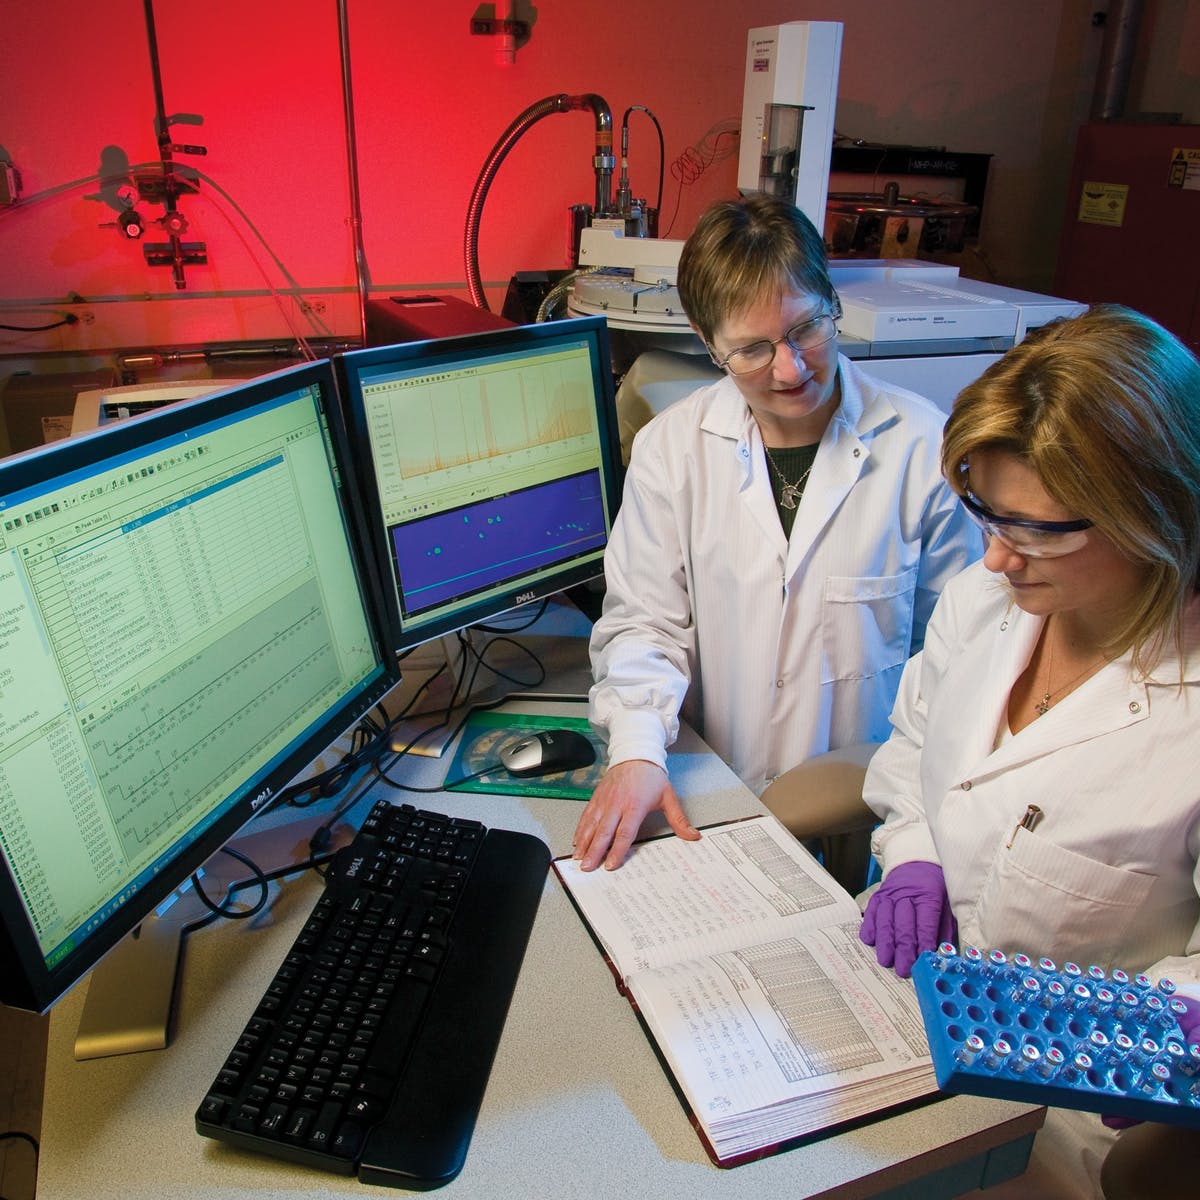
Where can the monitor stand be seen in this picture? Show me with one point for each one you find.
(131, 994)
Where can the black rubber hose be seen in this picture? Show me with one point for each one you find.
(534, 113)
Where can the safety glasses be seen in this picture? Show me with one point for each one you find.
(1032, 539)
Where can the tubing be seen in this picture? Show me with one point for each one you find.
(535, 112)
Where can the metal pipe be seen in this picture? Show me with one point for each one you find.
(1116, 60)
(160, 109)
(165, 152)
(605, 160)
(361, 271)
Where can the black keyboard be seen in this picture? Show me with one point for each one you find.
(371, 1047)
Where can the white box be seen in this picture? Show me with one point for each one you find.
(1034, 309)
(895, 311)
(862, 270)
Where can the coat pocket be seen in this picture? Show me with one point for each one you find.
(866, 624)
(1045, 899)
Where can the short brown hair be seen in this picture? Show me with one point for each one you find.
(743, 251)
(1105, 409)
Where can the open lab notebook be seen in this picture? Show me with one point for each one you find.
(741, 957)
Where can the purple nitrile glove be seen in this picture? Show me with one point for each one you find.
(908, 913)
(1189, 1026)
(1189, 1022)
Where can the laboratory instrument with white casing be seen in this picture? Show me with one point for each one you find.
(911, 322)
(788, 107)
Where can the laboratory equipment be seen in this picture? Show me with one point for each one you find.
(888, 225)
(99, 406)
(1015, 1028)
(912, 323)
(163, 182)
(789, 102)
(629, 214)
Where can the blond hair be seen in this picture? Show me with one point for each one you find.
(1105, 409)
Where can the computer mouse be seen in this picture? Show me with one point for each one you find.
(547, 751)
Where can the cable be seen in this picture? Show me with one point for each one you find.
(537, 616)
(69, 319)
(464, 687)
(320, 838)
(260, 879)
(305, 349)
(371, 754)
(441, 787)
(695, 160)
(370, 757)
(364, 749)
(496, 641)
(221, 910)
(661, 147)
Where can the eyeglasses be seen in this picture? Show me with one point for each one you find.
(806, 335)
(1032, 539)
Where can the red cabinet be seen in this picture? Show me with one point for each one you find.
(1131, 231)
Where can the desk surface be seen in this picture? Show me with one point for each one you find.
(577, 1100)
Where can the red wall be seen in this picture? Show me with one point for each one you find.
(431, 102)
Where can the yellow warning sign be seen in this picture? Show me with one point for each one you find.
(1185, 169)
(1103, 203)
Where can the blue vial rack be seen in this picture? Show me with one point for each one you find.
(1017, 1028)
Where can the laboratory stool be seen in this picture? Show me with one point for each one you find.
(820, 803)
(655, 381)
(1150, 1160)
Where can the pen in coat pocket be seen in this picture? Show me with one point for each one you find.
(1032, 816)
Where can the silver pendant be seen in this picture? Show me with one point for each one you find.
(789, 497)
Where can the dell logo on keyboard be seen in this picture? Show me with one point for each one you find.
(352, 869)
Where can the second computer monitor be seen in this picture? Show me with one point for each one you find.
(489, 466)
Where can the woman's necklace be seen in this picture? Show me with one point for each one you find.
(1043, 705)
(790, 495)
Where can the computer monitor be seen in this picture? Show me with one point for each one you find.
(187, 619)
(489, 467)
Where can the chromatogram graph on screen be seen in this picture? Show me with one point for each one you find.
(452, 422)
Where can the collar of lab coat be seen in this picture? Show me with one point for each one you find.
(1112, 699)
(844, 451)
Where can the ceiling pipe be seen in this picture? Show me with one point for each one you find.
(1116, 59)
(361, 273)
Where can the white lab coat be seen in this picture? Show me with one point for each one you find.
(1109, 873)
(774, 650)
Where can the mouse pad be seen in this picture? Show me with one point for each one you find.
(485, 734)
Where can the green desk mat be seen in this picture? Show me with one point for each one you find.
(484, 735)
